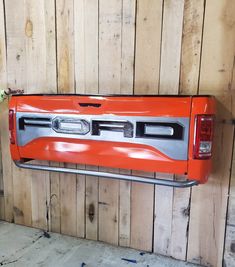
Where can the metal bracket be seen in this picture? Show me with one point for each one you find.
(231, 121)
(14, 91)
(156, 181)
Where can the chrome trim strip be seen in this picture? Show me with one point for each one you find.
(36, 122)
(156, 181)
(174, 149)
(58, 122)
(159, 130)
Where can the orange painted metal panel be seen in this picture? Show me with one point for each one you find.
(128, 152)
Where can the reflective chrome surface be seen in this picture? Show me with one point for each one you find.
(156, 181)
(70, 125)
(174, 149)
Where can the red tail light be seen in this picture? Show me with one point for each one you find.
(11, 126)
(203, 137)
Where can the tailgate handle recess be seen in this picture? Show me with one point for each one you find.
(95, 105)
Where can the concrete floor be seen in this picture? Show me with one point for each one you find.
(23, 246)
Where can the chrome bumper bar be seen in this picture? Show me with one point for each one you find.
(156, 181)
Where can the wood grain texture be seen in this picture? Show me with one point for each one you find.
(33, 59)
(167, 237)
(2, 204)
(86, 46)
(126, 87)
(189, 76)
(123, 47)
(229, 249)
(124, 211)
(148, 42)
(92, 206)
(65, 46)
(171, 46)
(66, 84)
(4, 189)
(229, 259)
(86, 78)
(191, 46)
(81, 187)
(3, 69)
(110, 22)
(180, 222)
(163, 217)
(41, 69)
(55, 222)
(17, 76)
(2, 208)
(142, 208)
(215, 78)
(7, 164)
(68, 202)
(127, 46)
(147, 57)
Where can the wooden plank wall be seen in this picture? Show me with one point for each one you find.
(123, 47)
(3, 86)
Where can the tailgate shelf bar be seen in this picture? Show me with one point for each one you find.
(141, 179)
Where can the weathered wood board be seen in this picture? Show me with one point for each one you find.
(123, 47)
(3, 83)
(209, 202)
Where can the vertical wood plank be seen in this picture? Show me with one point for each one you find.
(3, 69)
(127, 46)
(2, 204)
(142, 196)
(209, 202)
(180, 221)
(2, 208)
(163, 218)
(31, 65)
(80, 203)
(86, 46)
(169, 84)
(126, 87)
(191, 46)
(171, 46)
(229, 246)
(41, 77)
(81, 187)
(65, 46)
(110, 21)
(65, 59)
(55, 200)
(4, 193)
(7, 163)
(92, 206)
(110, 18)
(231, 206)
(31, 47)
(148, 40)
(229, 249)
(108, 209)
(51, 80)
(124, 212)
(229, 259)
(68, 203)
(16, 75)
(86, 77)
(190, 64)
